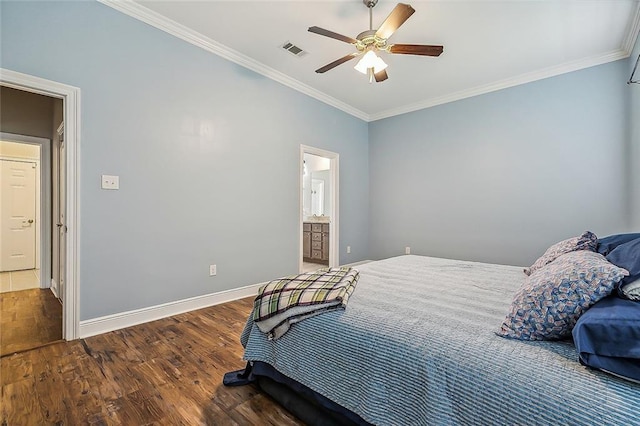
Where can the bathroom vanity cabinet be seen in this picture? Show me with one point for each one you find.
(315, 239)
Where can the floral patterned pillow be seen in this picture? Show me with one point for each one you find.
(552, 299)
(586, 241)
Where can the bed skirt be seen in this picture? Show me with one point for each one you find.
(307, 405)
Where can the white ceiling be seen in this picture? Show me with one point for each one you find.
(488, 45)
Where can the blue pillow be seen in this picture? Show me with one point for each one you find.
(627, 256)
(607, 337)
(607, 244)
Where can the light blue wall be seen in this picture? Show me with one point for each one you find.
(493, 178)
(207, 153)
(634, 124)
(499, 177)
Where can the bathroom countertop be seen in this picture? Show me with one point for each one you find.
(321, 219)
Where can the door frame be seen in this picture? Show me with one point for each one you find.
(71, 106)
(57, 145)
(334, 237)
(45, 202)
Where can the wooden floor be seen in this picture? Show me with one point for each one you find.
(167, 372)
(29, 319)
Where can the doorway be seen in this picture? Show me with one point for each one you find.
(318, 209)
(30, 312)
(68, 134)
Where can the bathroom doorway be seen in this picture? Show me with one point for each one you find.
(318, 209)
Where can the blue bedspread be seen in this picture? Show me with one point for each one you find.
(416, 346)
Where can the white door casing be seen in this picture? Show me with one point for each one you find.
(18, 215)
(61, 219)
(71, 102)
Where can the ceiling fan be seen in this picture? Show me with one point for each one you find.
(371, 41)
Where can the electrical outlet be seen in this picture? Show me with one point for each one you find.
(407, 250)
(110, 182)
(213, 270)
(348, 249)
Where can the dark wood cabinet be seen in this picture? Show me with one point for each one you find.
(315, 239)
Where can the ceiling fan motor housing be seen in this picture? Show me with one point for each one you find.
(368, 39)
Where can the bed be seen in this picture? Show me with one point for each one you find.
(417, 345)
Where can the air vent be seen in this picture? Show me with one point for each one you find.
(293, 49)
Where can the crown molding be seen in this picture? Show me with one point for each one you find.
(504, 84)
(141, 13)
(634, 30)
(176, 29)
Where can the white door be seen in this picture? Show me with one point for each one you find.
(61, 223)
(18, 213)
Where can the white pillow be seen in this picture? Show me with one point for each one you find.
(632, 290)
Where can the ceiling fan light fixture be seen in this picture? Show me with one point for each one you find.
(370, 60)
(371, 41)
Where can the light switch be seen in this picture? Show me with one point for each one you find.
(110, 182)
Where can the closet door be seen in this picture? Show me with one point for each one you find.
(18, 211)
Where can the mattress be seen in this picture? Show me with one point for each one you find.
(417, 345)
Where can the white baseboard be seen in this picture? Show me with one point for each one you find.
(107, 323)
(362, 262)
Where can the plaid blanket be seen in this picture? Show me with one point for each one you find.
(291, 299)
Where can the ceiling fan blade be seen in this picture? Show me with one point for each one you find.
(397, 17)
(381, 76)
(416, 49)
(331, 34)
(337, 62)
